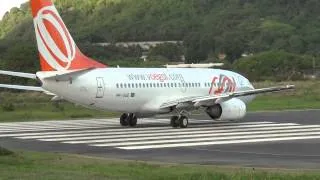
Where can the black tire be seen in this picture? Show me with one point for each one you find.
(133, 120)
(124, 119)
(174, 121)
(183, 122)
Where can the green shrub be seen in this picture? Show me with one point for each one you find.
(8, 107)
(5, 152)
(77, 116)
(274, 66)
(57, 107)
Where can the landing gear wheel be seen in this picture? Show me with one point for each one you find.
(184, 121)
(174, 121)
(124, 119)
(133, 120)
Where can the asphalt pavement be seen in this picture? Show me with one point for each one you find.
(288, 139)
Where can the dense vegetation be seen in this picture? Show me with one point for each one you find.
(207, 28)
(274, 65)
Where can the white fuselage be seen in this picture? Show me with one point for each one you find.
(143, 90)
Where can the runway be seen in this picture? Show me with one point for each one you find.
(288, 139)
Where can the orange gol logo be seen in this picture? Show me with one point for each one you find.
(222, 84)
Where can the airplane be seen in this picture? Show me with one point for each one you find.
(66, 73)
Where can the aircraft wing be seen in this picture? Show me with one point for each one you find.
(18, 74)
(199, 101)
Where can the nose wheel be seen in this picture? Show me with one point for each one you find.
(181, 121)
(128, 119)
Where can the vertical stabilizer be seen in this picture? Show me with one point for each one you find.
(57, 49)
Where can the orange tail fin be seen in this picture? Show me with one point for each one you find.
(57, 49)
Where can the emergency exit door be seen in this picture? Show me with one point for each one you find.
(100, 87)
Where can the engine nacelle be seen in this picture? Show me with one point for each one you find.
(232, 109)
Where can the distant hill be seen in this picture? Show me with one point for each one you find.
(207, 27)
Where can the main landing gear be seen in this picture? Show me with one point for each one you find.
(128, 119)
(181, 121)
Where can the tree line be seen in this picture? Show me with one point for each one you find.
(207, 28)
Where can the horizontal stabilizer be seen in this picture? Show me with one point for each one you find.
(19, 74)
(18, 87)
(65, 76)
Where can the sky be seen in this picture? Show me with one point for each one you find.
(6, 5)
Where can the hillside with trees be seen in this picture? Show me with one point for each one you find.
(287, 30)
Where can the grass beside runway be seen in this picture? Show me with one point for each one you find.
(30, 165)
(36, 106)
(305, 96)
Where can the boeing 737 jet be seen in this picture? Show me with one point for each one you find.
(68, 74)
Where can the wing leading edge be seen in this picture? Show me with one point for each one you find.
(198, 101)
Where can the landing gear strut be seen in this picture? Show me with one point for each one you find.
(174, 121)
(181, 121)
(128, 119)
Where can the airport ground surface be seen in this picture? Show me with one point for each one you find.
(288, 139)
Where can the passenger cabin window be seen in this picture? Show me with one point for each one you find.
(118, 86)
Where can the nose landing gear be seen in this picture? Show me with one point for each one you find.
(128, 119)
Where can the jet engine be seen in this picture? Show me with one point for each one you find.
(232, 109)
